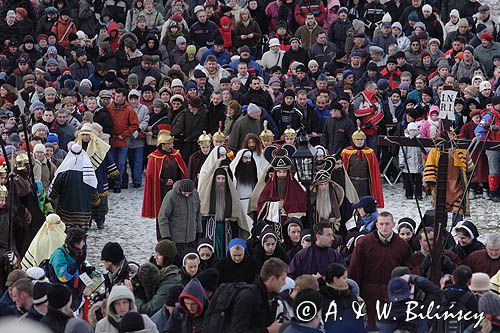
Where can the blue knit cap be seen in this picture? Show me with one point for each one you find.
(237, 241)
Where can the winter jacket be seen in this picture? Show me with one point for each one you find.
(484, 55)
(143, 119)
(181, 317)
(368, 109)
(179, 218)
(271, 59)
(323, 54)
(301, 55)
(303, 7)
(272, 12)
(201, 33)
(252, 28)
(337, 33)
(125, 123)
(256, 309)
(81, 71)
(337, 134)
(241, 128)
(55, 320)
(414, 158)
(434, 27)
(223, 58)
(86, 18)
(63, 29)
(313, 260)
(111, 323)
(154, 19)
(308, 35)
(384, 41)
(295, 327)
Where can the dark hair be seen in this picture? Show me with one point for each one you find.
(462, 275)
(75, 235)
(122, 91)
(425, 230)
(334, 271)
(319, 227)
(273, 267)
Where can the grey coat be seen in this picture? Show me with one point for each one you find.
(414, 156)
(179, 217)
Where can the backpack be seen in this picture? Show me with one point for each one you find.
(453, 325)
(218, 316)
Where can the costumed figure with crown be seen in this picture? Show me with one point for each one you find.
(290, 135)
(104, 166)
(165, 167)
(362, 167)
(222, 214)
(74, 188)
(282, 196)
(25, 198)
(199, 157)
(331, 202)
(10, 256)
(266, 136)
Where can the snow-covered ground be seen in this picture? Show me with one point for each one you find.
(138, 236)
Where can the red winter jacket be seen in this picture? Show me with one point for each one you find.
(310, 6)
(63, 29)
(369, 112)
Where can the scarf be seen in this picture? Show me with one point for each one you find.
(96, 149)
(227, 36)
(245, 23)
(433, 128)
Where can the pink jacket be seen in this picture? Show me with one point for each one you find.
(272, 11)
(331, 15)
(425, 130)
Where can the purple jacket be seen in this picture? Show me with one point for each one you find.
(313, 260)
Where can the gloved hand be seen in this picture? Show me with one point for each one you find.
(11, 257)
(368, 125)
(447, 265)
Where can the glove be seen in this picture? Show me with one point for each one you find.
(447, 265)
(368, 125)
(11, 257)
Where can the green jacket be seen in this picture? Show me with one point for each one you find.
(169, 276)
(241, 128)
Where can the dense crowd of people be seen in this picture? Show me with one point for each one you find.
(205, 104)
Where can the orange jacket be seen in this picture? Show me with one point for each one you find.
(62, 29)
(125, 122)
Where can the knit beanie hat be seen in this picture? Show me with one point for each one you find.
(209, 279)
(132, 322)
(148, 275)
(191, 50)
(480, 282)
(252, 108)
(289, 93)
(186, 185)
(58, 295)
(489, 303)
(166, 248)
(173, 295)
(40, 292)
(158, 103)
(112, 252)
(39, 147)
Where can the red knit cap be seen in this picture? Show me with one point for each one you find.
(224, 21)
(424, 54)
(487, 36)
(177, 18)
(21, 11)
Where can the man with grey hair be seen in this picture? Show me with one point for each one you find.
(487, 260)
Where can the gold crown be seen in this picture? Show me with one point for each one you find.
(204, 138)
(290, 132)
(359, 135)
(164, 137)
(219, 135)
(266, 134)
(21, 161)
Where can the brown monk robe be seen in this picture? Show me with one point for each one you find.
(373, 259)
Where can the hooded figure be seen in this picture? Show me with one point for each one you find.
(50, 236)
(111, 323)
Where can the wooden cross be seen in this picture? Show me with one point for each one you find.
(443, 144)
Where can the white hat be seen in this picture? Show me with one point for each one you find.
(455, 13)
(176, 83)
(39, 147)
(484, 85)
(134, 92)
(198, 9)
(426, 8)
(38, 126)
(36, 274)
(274, 42)
(10, 13)
(81, 34)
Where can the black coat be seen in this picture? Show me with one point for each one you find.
(101, 116)
(194, 125)
(300, 55)
(245, 271)
(260, 255)
(337, 134)
(255, 309)
(463, 251)
(55, 320)
(216, 114)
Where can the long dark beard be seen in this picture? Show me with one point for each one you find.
(338, 176)
(246, 173)
(281, 187)
(323, 204)
(220, 202)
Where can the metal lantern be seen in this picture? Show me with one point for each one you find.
(304, 159)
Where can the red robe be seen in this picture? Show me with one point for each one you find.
(371, 266)
(375, 180)
(480, 261)
(151, 202)
(418, 257)
(295, 197)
